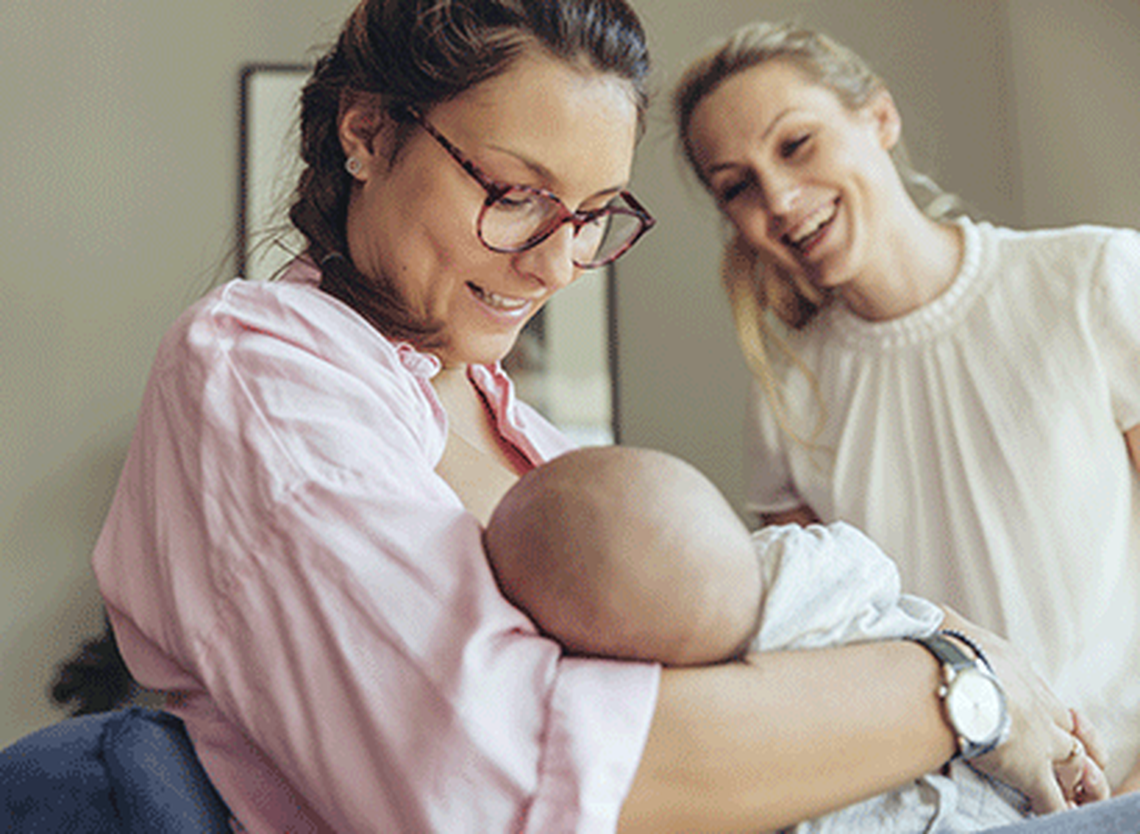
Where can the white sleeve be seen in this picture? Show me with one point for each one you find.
(826, 585)
(768, 483)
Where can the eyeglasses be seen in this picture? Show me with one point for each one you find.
(515, 218)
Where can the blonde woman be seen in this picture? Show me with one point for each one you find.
(968, 395)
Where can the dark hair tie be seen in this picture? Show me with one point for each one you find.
(332, 256)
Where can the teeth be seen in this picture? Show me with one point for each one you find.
(811, 224)
(499, 301)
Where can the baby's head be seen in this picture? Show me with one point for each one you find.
(627, 553)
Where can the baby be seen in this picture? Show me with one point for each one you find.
(634, 554)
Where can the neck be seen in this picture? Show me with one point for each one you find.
(454, 389)
(920, 261)
(450, 376)
(462, 402)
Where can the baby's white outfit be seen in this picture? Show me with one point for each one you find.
(828, 585)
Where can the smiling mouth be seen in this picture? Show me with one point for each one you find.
(499, 302)
(811, 228)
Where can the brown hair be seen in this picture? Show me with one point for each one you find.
(415, 54)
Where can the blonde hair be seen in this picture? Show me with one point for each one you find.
(755, 290)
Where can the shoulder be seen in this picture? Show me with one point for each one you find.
(296, 362)
(249, 328)
(1069, 252)
(240, 316)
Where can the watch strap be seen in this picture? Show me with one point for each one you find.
(946, 651)
(972, 643)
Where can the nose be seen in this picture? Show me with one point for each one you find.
(781, 192)
(551, 262)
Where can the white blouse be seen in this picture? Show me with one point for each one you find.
(979, 441)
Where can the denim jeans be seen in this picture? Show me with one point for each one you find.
(1120, 815)
(127, 770)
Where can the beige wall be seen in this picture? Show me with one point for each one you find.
(1078, 110)
(118, 126)
(118, 161)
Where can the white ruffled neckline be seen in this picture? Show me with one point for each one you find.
(927, 321)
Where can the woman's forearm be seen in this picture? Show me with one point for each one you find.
(786, 736)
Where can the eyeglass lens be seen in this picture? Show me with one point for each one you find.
(522, 217)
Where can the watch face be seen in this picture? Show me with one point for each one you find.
(975, 705)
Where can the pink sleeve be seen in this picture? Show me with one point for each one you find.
(281, 538)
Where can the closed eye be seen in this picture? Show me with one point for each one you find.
(788, 149)
(518, 200)
(734, 190)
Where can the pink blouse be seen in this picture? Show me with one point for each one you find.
(282, 557)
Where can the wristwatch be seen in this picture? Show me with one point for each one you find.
(972, 698)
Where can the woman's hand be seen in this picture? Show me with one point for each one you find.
(1052, 755)
(1081, 773)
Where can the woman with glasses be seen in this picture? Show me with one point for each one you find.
(294, 550)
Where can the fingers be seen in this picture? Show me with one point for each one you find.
(1070, 771)
(1079, 776)
(1086, 732)
(1093, 786)
(1073, 778)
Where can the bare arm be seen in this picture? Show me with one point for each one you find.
(1132, 438)
(802, 515)
(786, 736)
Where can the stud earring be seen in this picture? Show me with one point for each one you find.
(353, 165)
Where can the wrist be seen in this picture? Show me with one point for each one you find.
(973, 701)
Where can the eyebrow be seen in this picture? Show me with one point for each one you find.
(547, 176)
(720, 166)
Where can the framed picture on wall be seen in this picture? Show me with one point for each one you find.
(564, 361)
(270, 161)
